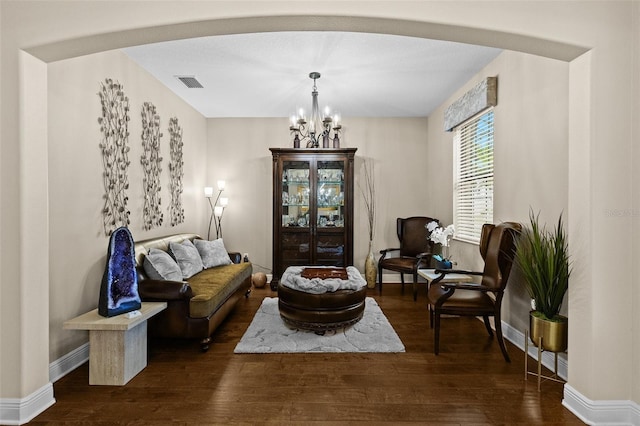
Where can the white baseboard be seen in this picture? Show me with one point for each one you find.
(516, 337)
(601, 412)
(69, 362)
(21, 411)
(15, 411)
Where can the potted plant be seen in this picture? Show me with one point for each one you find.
(543, 258)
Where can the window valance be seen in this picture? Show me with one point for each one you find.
(479, 98)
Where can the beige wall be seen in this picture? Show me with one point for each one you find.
(600, 171)
(602, 142)
(239, 152)
(530, 156)
(78, 245)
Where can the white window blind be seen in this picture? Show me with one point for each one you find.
(473, 177)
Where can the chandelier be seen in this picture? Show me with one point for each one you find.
(318, 128)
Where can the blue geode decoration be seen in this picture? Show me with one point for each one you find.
(119, 288)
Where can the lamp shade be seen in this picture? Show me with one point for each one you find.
(221, 184)
(208, 191)
(224, 201)
(218, 211)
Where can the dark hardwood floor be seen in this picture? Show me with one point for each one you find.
(469, 383)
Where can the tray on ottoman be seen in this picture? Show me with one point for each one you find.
(324, 273)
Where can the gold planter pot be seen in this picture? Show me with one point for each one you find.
(554, 334)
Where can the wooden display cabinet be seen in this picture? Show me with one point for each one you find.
(312, 208)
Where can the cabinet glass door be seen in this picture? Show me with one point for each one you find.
(295, 194)
(330, 212)
(296, 225)
(330, 194)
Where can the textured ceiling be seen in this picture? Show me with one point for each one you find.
(267, 74)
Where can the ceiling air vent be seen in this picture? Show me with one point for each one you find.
(190, 81)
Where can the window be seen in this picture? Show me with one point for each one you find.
(473, 177)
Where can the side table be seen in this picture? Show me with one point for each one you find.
(430, 275)
(117, 345)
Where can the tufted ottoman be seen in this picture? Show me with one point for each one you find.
(323, 300)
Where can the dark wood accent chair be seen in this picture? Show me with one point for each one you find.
(497, 248)
(415, 251)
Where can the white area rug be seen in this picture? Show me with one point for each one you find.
(268, 333)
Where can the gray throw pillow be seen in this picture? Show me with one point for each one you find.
(212, 253)
(158, 265)
(187, 257)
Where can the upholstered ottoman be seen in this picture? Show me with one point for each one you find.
(322, 300)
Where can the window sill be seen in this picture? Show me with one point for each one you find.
(467, 240)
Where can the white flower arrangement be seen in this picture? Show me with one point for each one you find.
(440, 235)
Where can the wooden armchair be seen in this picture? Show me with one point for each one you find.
(497, 248)
(414, 252)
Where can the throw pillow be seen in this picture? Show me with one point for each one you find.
(213, 253)
(158, 265)
(187, 257)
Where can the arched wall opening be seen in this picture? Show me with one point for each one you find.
(68, 49)
(34, 138)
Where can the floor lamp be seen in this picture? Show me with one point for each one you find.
(217, 210)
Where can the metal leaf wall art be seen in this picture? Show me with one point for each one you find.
(151, 166)
(175, 172)
(114, 125)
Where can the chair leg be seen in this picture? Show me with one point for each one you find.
(436, 334)
(415, 286)
(430, 315)
(402, 281)
(380, 280)
(503, 347)
(487, 324)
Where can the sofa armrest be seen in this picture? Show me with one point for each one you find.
(164, 290)
(236, 257)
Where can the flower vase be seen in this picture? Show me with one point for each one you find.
(445, 263)
(370, 268)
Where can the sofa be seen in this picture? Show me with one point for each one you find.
(199, 300)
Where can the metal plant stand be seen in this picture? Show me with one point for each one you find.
(538, 372)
